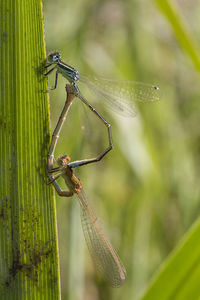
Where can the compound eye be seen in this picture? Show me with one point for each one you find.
(55, 58)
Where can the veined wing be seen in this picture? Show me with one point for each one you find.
(120, 95)
(104, 256)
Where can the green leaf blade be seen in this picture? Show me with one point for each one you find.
(29, 267)
(178, 278)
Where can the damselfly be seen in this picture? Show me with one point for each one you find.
(120, 95)
(104, 256)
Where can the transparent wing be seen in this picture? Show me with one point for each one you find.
(120, 94)
(104, 256)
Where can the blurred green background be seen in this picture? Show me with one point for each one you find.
(146, 191)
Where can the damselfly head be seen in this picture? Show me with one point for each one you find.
(63, 160)
(54, 57)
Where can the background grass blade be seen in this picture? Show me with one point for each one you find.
(178, 278)
(28, 238)
(181, 31)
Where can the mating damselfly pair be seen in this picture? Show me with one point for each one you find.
(119, 95)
